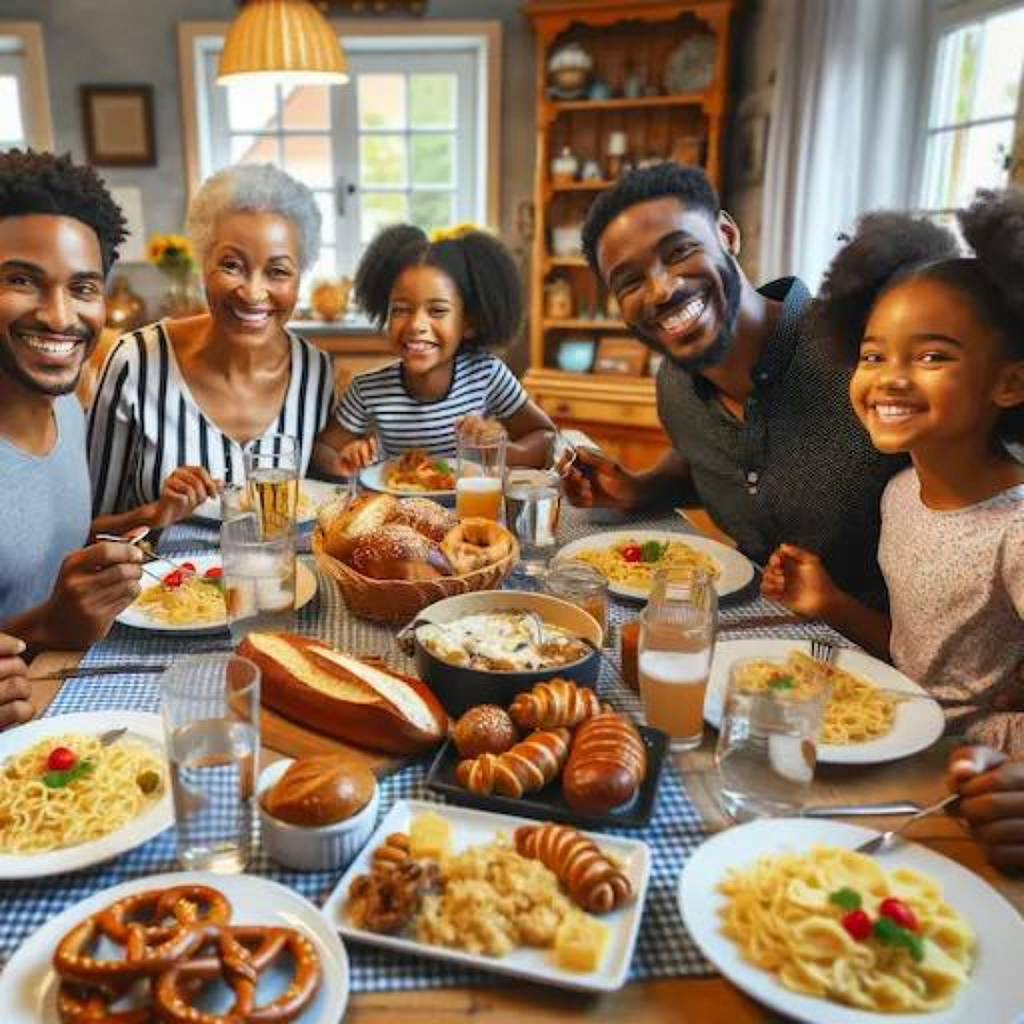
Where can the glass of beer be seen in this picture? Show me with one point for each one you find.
(480, 472)
(677, 640)
(272, 479)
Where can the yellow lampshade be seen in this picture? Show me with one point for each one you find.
(287, 41)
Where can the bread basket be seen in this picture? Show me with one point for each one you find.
(396, 602)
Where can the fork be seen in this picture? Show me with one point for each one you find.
(883, 841)
(824, 651)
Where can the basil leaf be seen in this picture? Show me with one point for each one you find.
(652, 551)
(847, 898)
(59, 779)
(889, 933)
(442, 467)
(787, 683)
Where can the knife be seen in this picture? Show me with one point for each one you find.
(861, 810)
(104, 670)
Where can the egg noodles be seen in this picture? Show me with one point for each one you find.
(194, 602)
(620, 565)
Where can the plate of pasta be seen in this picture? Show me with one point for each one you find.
(629, 559)
(790, 914)
(192, 601)
(866, 721)
(68, 802)
(415, 472)
(313, 495)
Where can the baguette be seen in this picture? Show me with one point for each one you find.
(313, 683)
(606, 764)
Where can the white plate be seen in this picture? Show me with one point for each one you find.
(993, 994)
(918, 723)
(372, 477)
(736, 570)
(472, 828)
(305, 591)
(28, 985)
(152, 821)
(318, 492)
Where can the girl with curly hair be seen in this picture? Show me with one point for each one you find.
(443, 303)
(939, 375)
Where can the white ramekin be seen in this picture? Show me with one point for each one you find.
(314, 848)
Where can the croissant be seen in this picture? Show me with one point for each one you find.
(529, 765)
(553, 704)
(592, 880)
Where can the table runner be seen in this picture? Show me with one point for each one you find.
(664, 948)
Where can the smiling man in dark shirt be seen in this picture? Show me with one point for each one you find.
(755, 405)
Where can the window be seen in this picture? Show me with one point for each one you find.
(24, 103)
(408, 138)
(974, 104)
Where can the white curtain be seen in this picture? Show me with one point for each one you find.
(844, 126)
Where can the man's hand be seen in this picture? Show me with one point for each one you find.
(14, 685)
(590, 479)
(798, 579)
(992, 790)
(182, 493)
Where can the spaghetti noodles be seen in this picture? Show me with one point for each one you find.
(195, 601)
(633, 563)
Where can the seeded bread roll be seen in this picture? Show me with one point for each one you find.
(396, 552)
(363, 516)
(426, 517)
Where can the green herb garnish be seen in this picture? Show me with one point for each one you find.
(889, 933)
(58, 780)
(846, 898)
(442, 467)
(784, 683)
(652, 550)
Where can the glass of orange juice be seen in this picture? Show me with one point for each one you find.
(480, 472)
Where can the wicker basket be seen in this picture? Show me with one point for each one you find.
(397, 602)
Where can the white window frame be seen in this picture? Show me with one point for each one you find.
(197, 39)
(33, 89)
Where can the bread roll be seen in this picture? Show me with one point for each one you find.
(339, 695)
(364, 515)
(475, 544)
(485, 729)
(606, 764)
(320, 790)
(426, 517)
(395, 552)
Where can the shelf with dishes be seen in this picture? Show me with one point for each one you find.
(694, 99)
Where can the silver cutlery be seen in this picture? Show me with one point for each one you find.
(861, 810)
(111, 736)
(137, 539)
(885, 840)
(824, 651)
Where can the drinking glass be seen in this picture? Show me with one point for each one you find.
(767, 742)
(533, 502)
(259, 577)
(234, 501)
(272, 477)
(211, 712)
(480, 473)
(677, 639)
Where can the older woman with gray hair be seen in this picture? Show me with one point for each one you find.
(179, 399)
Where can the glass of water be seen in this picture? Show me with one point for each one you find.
(533, 503)
(259, 577)
(211, 712)
(767, 743)
(272, 479)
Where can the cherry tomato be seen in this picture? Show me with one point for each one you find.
(214, 573)
(189, 567)
(857, 924)
(632, 553)
(899, 913)
(61, 759)
(173, 579)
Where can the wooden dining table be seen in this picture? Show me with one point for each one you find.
(918, 778)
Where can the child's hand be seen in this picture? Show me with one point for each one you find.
(798, 579)
(357, 454)
(476, 429)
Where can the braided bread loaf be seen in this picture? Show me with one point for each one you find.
(553, 704)
(592, 880)
(529, 765)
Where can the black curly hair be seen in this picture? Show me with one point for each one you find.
(480, 265)
(689, 185)
(32, 182)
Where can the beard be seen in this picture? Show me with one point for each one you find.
(10, 366)
(732, 288)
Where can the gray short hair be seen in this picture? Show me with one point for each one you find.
(259, 188)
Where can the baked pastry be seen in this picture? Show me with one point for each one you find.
(559, 702)
(606, 764)
(426, 517)
(529, 765)
(485, 729)
(396, 552)
(320, 790)
(475, 544)
(363, 516)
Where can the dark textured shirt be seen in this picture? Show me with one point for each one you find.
(799, 467)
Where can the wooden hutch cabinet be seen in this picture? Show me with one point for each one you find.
(655, 89)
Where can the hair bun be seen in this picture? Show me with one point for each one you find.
(994, 228)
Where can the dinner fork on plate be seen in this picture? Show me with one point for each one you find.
(824, 651)
(885, 840)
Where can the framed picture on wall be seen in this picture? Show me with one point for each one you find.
(117, 122)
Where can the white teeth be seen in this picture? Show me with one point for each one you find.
(51, 348)
(687, 316)
(894, 412)
(251, 318)
(419, 346)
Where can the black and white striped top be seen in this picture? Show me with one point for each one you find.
(378, 401)
(144, 422)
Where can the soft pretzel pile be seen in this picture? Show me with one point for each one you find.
(173, 942)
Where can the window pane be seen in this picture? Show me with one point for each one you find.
(381, 101)
(252, 106)
(11, 128)
(306, 107)
(432, 101)
(431, 209)
(328, 216)
(254, 149)
(382, 160)
(308, 158)
(959, 162)
(380, 209)
(433, 161)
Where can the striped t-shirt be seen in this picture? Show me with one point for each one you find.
(378, 401)
(144, 422)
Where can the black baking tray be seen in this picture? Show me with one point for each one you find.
(548, 803)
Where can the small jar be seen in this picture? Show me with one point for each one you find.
(583, 586)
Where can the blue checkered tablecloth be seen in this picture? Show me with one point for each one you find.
(664, 949)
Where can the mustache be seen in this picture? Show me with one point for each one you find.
(78, 332)
(678, 298)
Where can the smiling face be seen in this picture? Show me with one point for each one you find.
(930, 373)
(51, 300)
(251, 275)
(677, 286)
(426, 324)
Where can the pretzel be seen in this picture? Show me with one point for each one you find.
(552, 704)
(476, 543)
(529, 765)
